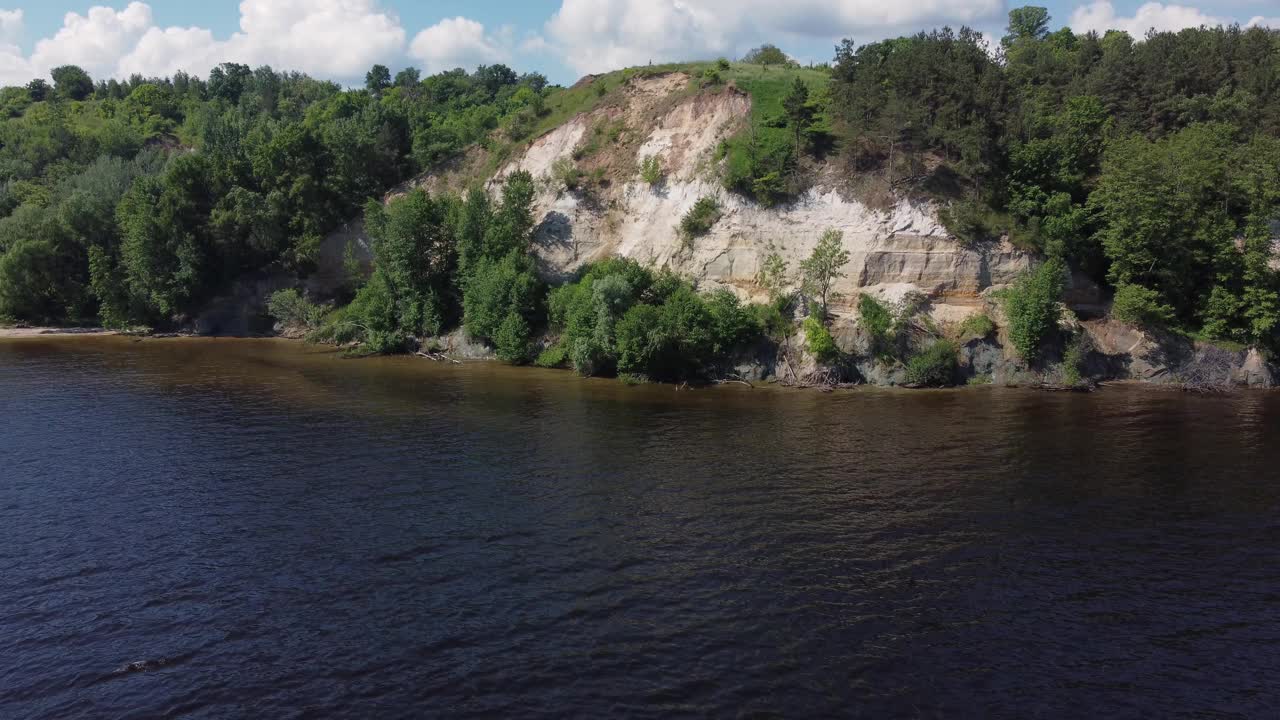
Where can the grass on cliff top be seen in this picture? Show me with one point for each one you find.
(767, 87)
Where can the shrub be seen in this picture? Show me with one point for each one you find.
(978, 326)
(651, 169)
(1137, 305)
(566, 174)
(512, 339)
(553, 357)
(499, 302)
(292, 310)
(1073, 360)
(1032, 308)
(722, 64)
(701, 217)
(622, 317)
(711, 77)
(877, 321)
(772, 318)
(818, 340)
(934, 367)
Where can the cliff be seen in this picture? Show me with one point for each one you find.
(592, 203)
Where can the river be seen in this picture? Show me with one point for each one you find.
(263, 529)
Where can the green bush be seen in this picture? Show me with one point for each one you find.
(499, 302)
(1073, 360)
(935, 366)
(704, 214)
(711, 77)
(621, 317)
(651, 169)
(1031, 306)
(553, 357)
(371, 320)
(773, 318)
(566, 173)
(291, 309)
(818, 340)
(977, 326)
(1141, 306)
(722, 64)
(877, 322)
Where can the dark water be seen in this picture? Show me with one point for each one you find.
(276, 533)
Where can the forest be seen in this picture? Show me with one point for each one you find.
(1151, 164)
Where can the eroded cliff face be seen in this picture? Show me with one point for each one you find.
(893, 251)
(904, 247)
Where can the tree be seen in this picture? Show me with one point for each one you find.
(414, 247)
(799, 112)
(229, 80)
(408, 77)
(72, 82)
(823, 267)
(1031, 23)
(1032, 307)
(766, 55)
(773, 275)
(39, 90)
(377, 79)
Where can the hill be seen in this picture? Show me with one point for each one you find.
(913, 188)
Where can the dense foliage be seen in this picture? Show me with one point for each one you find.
(134, 202)
(1032, 308)
(1152, 164)
(621, 317)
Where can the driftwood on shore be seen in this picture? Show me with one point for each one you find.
(437, 357)
(1079, 388)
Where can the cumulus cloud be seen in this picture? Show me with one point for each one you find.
(458, 42)
(1102, 16)
(95, 41)
(10, 25)
(596, 35)
(330, 38)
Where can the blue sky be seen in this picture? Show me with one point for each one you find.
(339, 39)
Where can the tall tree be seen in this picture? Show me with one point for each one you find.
(377, 79)
(821, 270)
(72, 82)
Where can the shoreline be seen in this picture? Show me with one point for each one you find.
(25, 332)
(1100, 385)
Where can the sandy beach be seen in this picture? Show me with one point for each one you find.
(22, 332)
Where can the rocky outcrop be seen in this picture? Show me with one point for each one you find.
(902, 245)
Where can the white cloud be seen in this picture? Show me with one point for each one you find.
(459, 42)
(1102, 16)
(335, 38)
(13, 65)
(95, 41)
(329, 38)
(10, 25)
(597, 35)
(1261, 21)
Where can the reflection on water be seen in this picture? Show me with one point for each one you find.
(278, 532)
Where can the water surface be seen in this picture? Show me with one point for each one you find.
(276, 532)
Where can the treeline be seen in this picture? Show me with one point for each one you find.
(133, 202)
(1152, 164)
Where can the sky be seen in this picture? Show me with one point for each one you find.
(563, 39)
